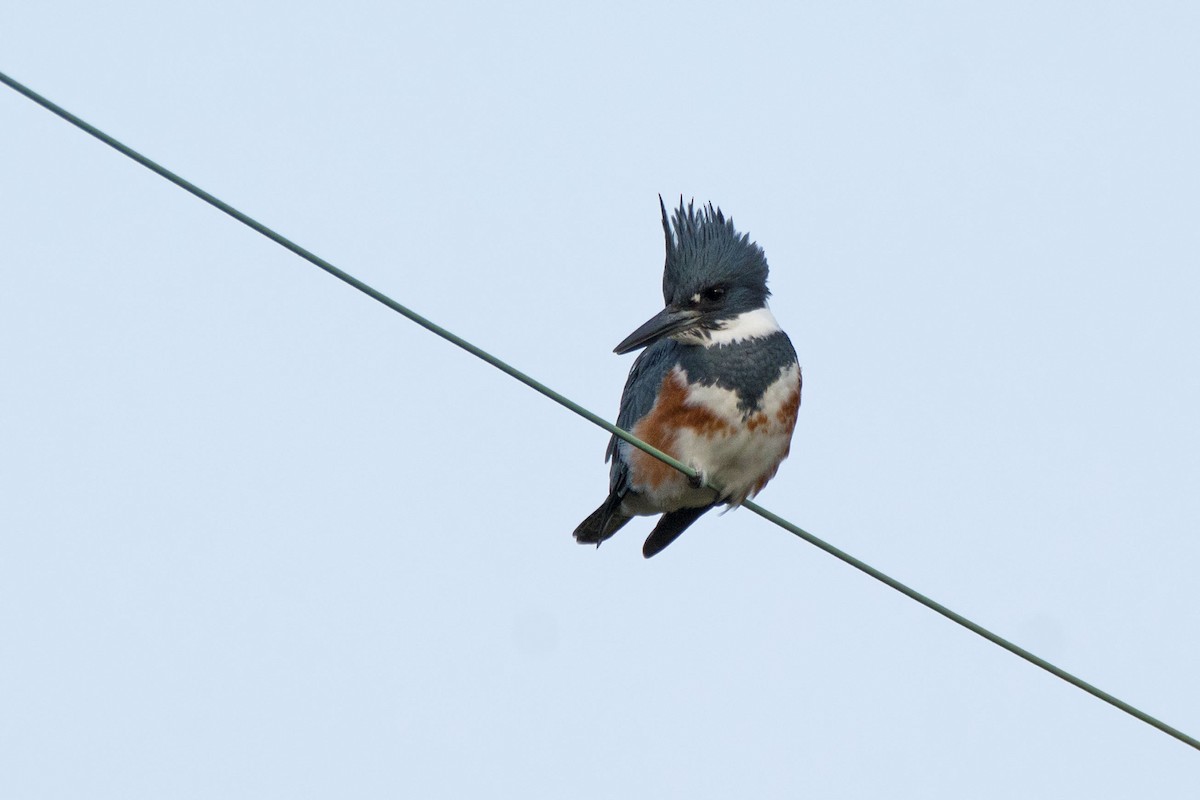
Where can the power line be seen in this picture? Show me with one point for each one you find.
(590, 416)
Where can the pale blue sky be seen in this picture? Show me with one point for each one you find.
(261, 537)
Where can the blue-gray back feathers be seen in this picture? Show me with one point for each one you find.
(641, 389)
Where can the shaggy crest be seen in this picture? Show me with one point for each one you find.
(705, 249)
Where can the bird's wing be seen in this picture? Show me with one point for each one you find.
(641, 389)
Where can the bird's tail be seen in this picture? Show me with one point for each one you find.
(669, 526)
(603, 522)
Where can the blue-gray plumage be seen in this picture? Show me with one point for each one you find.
(717, 387)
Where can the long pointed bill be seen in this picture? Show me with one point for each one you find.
(664, 323)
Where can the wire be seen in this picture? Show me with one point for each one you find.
(590, 416)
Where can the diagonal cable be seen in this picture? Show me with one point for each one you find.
(592, 417)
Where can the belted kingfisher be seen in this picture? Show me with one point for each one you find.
(717, 387)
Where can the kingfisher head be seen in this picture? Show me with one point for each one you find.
(714, 279)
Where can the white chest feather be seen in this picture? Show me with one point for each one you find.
(744, 453)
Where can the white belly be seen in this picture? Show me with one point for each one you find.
(752, 449)
(737, 454)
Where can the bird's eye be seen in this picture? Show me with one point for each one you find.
(714, 293)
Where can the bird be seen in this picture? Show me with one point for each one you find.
(717, 385)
